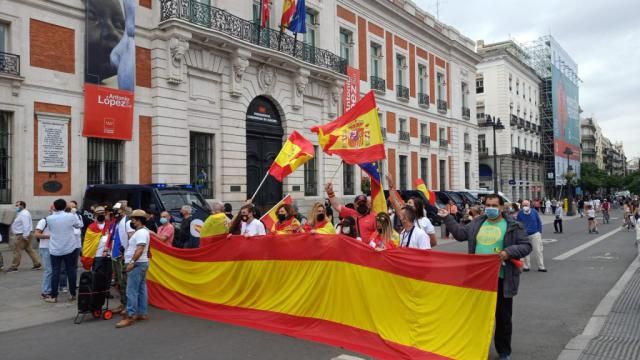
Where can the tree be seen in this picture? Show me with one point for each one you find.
(591, 178)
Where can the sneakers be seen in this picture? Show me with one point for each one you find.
(12, 269)
(542, 270)
(37, 267)
(50, 300)
(63, 290)
(525, 269)
(127, 321)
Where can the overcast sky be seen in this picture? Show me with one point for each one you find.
(603, 37)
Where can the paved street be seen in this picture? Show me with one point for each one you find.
(551, 309)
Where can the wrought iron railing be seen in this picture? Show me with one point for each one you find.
(423, 99)
(442, 105)
(444, 143)
(404, 136)
(402, 92)
(467, 147)
(219, 20)
(425, 140)
(466, 113)
(9, 63)
(483, 152)
(378, 84)
(514, 120)
(480, 117)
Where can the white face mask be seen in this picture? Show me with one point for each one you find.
(346, 230)
(526, 209)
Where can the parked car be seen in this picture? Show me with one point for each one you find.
(432, 211)
(483, 192)
(469, 198)
(151, 198)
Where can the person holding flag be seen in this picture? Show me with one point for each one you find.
(365, 219)
(287, 222)
(415, 203)
(318, 221)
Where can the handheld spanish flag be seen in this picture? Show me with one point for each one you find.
(271, 217)
(378, 202)
(90, 244)
(288, 8)
(420, 186)
(355, 136)
(295, 152)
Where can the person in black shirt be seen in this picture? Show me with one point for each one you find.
(184, 238)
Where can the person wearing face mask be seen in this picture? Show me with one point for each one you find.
(166, 230)
(95, 239)
(365, 219)
(246, 224)
(42, 234)
(384, 237)
(21, 227)
(347, 227)
(494, 233)
(531, 220)
(287, 222)
(318, 221)
(135, 256)
(412, 236)
(119, 234)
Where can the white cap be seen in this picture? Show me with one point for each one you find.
(116, 206)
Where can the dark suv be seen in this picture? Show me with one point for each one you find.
(153, 198)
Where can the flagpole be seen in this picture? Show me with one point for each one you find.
(260, 23)
(259, 186)
(295, 43)
(335, 172)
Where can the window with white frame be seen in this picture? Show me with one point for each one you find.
(201, 162)
(310, 37)
(480, 84)
(424, 169)
(403, 125)
(465, 94)
(4, 30)
(346, 45)
(375, 52)
(404, 175)
(348, 179)
(5, 157)
(441, 86)
(423, 77)
(510, 82)
(401, 68)
(311, 175)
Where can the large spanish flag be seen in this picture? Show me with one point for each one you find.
(429, 194)
(295, 152)
(394, 304)
(271, 217)
(355, 136)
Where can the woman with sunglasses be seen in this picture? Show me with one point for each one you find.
(384, 237)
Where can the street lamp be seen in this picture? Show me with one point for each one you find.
(496, 124)
(569, 175)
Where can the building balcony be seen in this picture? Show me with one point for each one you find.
(402, 92)
(530, 154)
(9, 64)
(404, 136)
(467, 147)
(520, 123)
(483, 152)
(442, 106)
(423, 99)
(589, 137)
(210, 17)
(444, 143)
(516, 151)
(425, 140)
(481, 117)
(466, 113)
(587, 152)
(378, 84)
(513, 121)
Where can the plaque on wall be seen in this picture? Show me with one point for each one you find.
(53, 144)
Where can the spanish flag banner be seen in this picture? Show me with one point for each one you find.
(429, 194)
(271, 217)
(395, 304)
(355, 136)
(378, 202)
(90, 244)
(288, 9)
(295, 152)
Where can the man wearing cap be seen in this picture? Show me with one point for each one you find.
(365, 219)
(135, 256)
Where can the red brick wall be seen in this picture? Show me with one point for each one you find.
(414, 166)
(52, 46)
(421, 53)
(412, 70)
(389, 43)
(448, 88)
(146, 3)
(434, 172)
(449, 134)
(39, 178)
(391, 162)
(450, 163)
(143, 67)
(145, 147)
(432, 79)
(362, 48)
(345, 14)
(413, 127)
(433, 131)
(391, 122)
(400, 42)
(376, 30)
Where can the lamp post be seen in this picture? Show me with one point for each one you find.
(495, 124)
(569, 175)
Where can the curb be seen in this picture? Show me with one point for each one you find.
(576, 346)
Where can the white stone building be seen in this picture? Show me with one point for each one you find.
(215, 96)
(507, 88)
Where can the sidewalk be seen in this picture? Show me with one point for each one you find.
(613, 333)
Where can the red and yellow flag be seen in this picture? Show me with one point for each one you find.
(429, 194)
(288, 9)
(295, 152)
(329, 288)
(271, 217)
(355, 136)
(90, 244)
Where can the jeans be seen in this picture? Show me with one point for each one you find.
(64, 277)
(557, 225)
(71, 263)
(46, 275)
(137, 289)
(504, 309)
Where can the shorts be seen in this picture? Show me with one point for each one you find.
(590, 219)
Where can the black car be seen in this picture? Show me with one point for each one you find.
(469, 198)
(432, 211)
(153, 198)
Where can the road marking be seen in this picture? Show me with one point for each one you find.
(576, 250)
(549, 241)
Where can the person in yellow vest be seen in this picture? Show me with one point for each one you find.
(217, 223)
(287, 222)
(318, 221)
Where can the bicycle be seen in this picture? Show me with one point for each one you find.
(605, 216)
(630, 222)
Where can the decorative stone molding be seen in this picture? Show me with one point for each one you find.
(300, 84)
(334, 97)
(267, 78)
(239, 64)
(178, 47)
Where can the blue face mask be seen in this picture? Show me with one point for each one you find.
(18, 209)
(492, 213)
(163, 221)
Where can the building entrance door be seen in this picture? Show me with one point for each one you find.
(264, 141)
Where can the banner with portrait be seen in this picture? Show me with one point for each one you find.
(110, 64)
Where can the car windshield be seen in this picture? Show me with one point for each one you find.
(174, 199)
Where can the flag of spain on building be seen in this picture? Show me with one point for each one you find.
(355, 136)
(295, 152)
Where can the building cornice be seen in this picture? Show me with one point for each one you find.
(513, 62)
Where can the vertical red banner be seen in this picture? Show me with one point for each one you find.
(351, 92)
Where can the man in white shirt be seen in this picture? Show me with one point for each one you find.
(62, 248)
(250, 225)
(120, 235)
(135, 256)
(412, 236)
(42, 233)
(21, 227)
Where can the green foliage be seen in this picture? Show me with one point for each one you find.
(591, 178)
